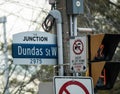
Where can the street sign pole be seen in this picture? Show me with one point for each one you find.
(75, 30)
(6, 88)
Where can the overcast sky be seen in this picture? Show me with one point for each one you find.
(23, 15)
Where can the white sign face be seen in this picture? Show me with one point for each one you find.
(34, 47)
(78, 56)
(73, 85)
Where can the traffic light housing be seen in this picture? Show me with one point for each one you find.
(101, 50)
(108, 76)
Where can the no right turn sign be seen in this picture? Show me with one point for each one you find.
(78, 47)
(78, 54)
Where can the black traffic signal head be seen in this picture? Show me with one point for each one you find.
(108, 76)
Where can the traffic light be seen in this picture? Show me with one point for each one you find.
(108, 76)
(101, 50)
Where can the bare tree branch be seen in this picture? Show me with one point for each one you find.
(117, 6)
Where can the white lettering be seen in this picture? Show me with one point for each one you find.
(41, 53)
(37, 52)
(30, 51)
(33, 51)
(19, 50)
(47, 52)
(54, 51)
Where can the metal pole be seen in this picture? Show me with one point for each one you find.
(57, 15)
(60, 51)
(71, 26)
(87, 30)
(3, 20)
(75, 32)
(75, 25)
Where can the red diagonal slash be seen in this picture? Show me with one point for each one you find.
(69, 83)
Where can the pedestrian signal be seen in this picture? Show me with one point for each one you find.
(102, 68)
(102, 46)
(108, 76)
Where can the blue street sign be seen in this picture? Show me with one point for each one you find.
(34, 51)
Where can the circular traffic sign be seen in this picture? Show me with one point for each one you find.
(78, 47)
(70, 83)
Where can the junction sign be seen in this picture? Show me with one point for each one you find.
(34, 47)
